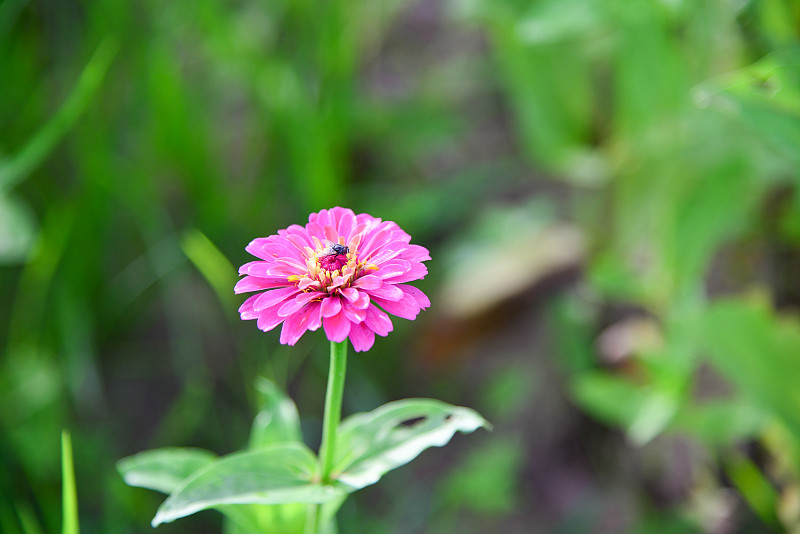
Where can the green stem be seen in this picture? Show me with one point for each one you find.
(333, 407)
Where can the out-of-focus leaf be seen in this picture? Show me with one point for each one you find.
(653, 416)
(163, 469)
(27, 518)
(17, 229)
(215, 267)
(19, 167)
(275, 474)
(372, 444)
(645, 411)
(720, 422)
(487, 480)
(609, 398)
(759, 493)
(758, 352)
(277, 419)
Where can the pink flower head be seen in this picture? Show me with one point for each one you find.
(336, 272)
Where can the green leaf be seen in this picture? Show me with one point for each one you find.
(372, 444)
(277, 419)
(721, 422)
(757, 351)
(275, 474)
(163, 469)
(644, 411)
(609, 398)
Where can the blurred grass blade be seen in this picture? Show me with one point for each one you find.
(9, 11)
(757, 491)
(31, 156)
(212, 263)
(28, 520)
(69, 493)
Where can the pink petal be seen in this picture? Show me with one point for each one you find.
(258, 247)
(269, 319)
(300, 242)
(393, 268)
(369, 281)
(273, 297)
(374, 241)
(281, 269)
(331, 306)
(417, 271)
(349, 293)
(323, 218)
(362, 302)
(386, 291)
(378, 321)
(306, 283)
(295, 326)
(314, 315)
(416, 253)
(292, 262)
(256, 268)
(246, 309)
(267, 249)
(407, 307)
(347, 221)
(315, 230)
(256, 283)
(361, 337)
(386, 254)
(292, 306)
(417, 295)
(367, 219)
(356, 315)
(336, 327)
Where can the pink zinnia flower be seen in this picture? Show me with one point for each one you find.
(336, 272)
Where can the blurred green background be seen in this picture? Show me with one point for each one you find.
(609, 190)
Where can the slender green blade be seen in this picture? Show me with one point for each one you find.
(70, 494)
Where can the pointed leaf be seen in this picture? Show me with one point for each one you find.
(163, 469)
(371, 444)
(756, 350)
(277, 419)
(278, 473)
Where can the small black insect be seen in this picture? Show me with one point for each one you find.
(333, 249)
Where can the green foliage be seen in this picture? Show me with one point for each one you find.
(277, 419)
(371, 444)
(262, 489)
(274, 474)
(143, 144)
(163, 469)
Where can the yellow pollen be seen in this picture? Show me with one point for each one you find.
(293, 278)
(370, 267)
